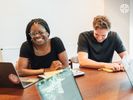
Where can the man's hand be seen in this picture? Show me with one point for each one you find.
(114, 66)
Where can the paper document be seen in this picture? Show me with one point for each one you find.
(49, 74)
(24, 79)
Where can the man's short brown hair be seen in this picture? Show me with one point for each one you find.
(101, 22)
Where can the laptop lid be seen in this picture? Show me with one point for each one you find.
(127, 61)
(61, 86)
(9, 77)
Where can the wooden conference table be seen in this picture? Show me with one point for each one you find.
(94, 85)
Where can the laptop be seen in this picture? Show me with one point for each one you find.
(127, 61)
(9, 77)
(60, 86)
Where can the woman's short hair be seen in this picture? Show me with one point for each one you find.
(101, 22)
(39, 21)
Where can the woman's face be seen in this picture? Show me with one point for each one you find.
(38, 34)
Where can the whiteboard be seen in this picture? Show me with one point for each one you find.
(9, 54)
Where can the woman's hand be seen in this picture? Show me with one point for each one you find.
(56, 65)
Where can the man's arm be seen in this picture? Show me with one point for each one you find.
(122, 54)
(84, 61)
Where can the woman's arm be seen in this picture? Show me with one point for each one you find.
(63, 59)
(59, 64)
(23, 68)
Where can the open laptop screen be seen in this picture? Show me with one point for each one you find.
(61, 86)
(128, 65)
(8, 75)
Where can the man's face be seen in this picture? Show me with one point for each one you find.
(100, 34)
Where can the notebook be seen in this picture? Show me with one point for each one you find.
(60, 86)
(75, 72)
(9, 77)
(127, 61)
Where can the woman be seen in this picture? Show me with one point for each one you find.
(40, 53)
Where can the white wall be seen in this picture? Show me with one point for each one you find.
(66, 18)
(120, 21)
(131, 28)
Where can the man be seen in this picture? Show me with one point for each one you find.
(96, 47)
